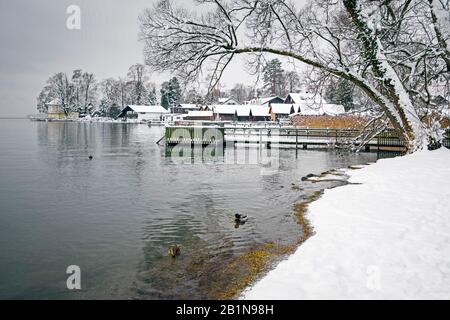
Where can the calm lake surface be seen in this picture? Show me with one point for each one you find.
(116, 215)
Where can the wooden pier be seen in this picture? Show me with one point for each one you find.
(300, 138)
(195, 135)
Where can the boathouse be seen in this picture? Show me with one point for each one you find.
(184, 108)
(228, 100)
(314, 109)
(200, 115)
(55, 111)
(259, 113)
(279, 111)
(243, 112)
(225, 112)
(143, 113)
(265, 101)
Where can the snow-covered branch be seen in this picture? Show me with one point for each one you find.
(396, 52)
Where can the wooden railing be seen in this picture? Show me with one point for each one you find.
(283, 135)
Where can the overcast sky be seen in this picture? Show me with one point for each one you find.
(35, 44)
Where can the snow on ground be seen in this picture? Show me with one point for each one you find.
(107, 120)
(328, 177)
(386, 238)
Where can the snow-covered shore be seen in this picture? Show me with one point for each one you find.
(385, 237)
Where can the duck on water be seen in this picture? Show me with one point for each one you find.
(240, 218)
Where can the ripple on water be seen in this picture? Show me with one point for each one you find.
(116, 216)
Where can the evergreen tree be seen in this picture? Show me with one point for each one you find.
(274, 78)
(340, 93)
(150, 95)
(171, 94)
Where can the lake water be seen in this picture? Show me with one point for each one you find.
(116, 215)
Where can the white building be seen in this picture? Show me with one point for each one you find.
(55, 111)
(184, 108)
(265, 100)
(144, 113)
(313, 104)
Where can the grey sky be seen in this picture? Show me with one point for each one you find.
(35, 44)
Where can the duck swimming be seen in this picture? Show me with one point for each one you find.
(174, 250)
(240, 218)
(91, 157)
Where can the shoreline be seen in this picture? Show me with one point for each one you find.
(261, 260)
(382, 236)
(301, 215)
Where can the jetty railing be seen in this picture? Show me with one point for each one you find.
(300, 137)
(194, 135)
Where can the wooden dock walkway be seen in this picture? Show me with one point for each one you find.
(296, 137)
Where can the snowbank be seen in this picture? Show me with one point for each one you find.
(386, 238)
(107, 120)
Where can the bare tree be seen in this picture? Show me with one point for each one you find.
(292, 81)
(89, 86)
(395, 52)
(137, 76)
(64, 90)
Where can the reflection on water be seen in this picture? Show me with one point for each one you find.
(116, 215)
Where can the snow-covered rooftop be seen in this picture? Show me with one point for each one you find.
(282, 108)
(300, 97)
(227, 100)
(314, 109)
(148, 109)
(200, 113)
(188, 106)
(55, 102)
(333, 109)
(266, 99)
(260, 111)
(224, 108)
(243, 110)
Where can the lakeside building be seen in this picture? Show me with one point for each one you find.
(268, 109)
(55, 111)
(172, 117)
(318, 110)
(306, 103)
(143, 113)
(304, 97)
(241, 113)
(184, 108)
(265, 101)
(279, 111)
(260, 113)
(225, 112)
(228, 100)
(200, 115)
(205, 108)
